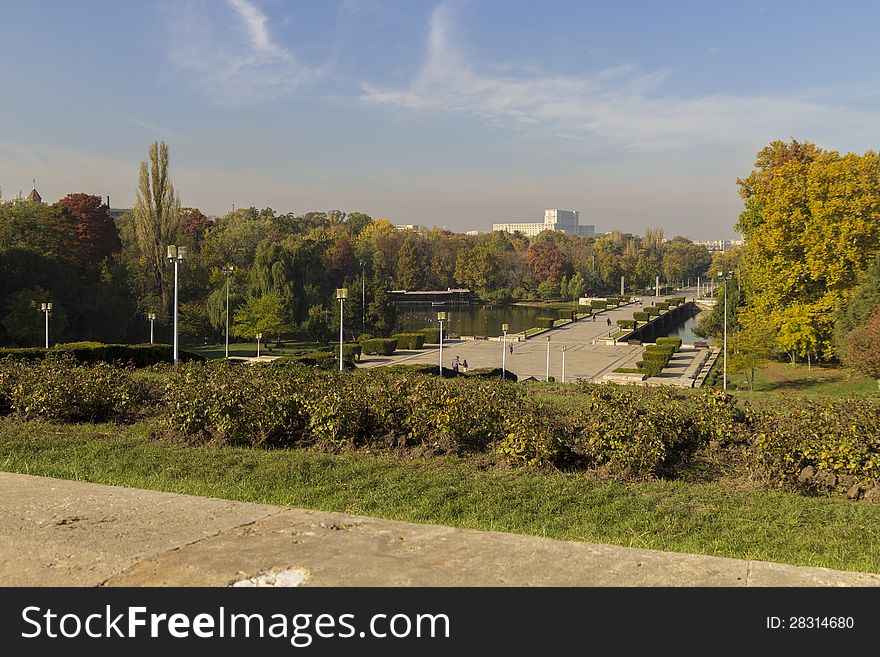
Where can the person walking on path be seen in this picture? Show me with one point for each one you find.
(455, 364)
(510, 346)
(609, 321)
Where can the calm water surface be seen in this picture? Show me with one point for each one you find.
(487, 320)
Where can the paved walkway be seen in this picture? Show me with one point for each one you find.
(585, 357)
(64, 533)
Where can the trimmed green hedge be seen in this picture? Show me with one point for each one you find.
(662, 305)
(490, 373)
(410, 340)
(641, 316)
(653, 311)
(626, 323)
(432, 335)
(544, 322)
(325, 360)
(597, 304)
(380, 346)
(674, 342)
(138, 355)
(630, 370)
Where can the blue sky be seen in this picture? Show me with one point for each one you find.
(459, 113)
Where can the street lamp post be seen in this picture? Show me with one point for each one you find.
(46, 308)
(176, 254)
(724, 372)
(504, 329)
(227, 272)
(259, 337)
(363, 297)
(152, 318)
(341, 295)
(441, 317)
(563, 363)
(548, 359)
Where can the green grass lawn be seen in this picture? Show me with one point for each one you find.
(705, 518)
(779, 379)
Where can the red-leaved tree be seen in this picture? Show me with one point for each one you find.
(96, 234)
(862, 351)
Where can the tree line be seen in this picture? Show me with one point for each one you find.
(104, 274)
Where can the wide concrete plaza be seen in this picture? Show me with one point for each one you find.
(587, 357)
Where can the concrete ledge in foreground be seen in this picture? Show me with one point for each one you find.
(57, 533)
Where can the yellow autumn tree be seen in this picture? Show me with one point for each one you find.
(811, 224)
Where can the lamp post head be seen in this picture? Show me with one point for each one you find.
(548, 338)
(182, 252)
(228, 269)
(151, 316)
(341, 293)
(259, 336)
(505, 327)
(172, 252)
(441, 315)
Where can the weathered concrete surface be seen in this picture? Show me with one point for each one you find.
(56, 532)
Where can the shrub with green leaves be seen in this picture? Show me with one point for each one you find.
(380, 346)
(598, 304)
(432, 335)
(653, 311)
(409, 340)
(840, 437)
(534, 436)
(641, 316)
(60, 390)
(544, 322)
(662, 305)
(626, 323)
(674, 342)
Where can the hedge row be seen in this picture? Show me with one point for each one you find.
(809, 445)
(641, 316)
(288, 405)
(380, 346)
(544, 322)
(662, 305)
(432, 335)
(674, 342)
(597, 304)
(653, 311)
(626, 323)
(137, 355)
(410, 340)
(61, 390)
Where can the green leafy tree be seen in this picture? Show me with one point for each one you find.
(262, 314)
(25, 323)
(413, 263)
(576, 287)
(861, 306)
(317, 326)
(750, 349)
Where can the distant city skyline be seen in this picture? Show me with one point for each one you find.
(461, 113)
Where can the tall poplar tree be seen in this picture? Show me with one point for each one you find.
(156, 217)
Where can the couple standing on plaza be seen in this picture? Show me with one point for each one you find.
(458, 364)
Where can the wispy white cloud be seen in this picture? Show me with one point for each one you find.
(621, 107)
(229, 53)
(152, 127)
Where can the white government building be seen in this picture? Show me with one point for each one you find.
(564, 221)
